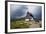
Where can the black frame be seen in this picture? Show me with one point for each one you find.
(22, 2)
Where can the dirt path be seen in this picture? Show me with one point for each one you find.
(33, 24)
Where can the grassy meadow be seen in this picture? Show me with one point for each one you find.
(21, 23)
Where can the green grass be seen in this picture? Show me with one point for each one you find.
(19, 23)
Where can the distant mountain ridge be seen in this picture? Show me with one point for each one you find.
(28, 16)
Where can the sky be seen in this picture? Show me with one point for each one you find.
(19, 11)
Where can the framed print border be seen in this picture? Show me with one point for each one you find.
(6, 17)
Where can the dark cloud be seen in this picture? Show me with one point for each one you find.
(20, 10)
(38, 14)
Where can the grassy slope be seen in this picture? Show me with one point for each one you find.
(21, 23)
(18, 23)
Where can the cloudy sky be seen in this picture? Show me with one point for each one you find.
(19, 11)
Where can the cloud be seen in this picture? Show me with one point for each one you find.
(19, 11)
(36, 11)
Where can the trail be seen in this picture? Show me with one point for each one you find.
(33, 24)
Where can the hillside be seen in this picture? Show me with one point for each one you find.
(21, 23)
